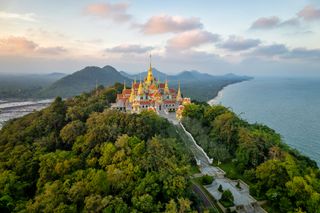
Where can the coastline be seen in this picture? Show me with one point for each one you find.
(10, 110)
(214, 100)
(294, 132)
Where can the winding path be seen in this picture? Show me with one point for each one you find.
(243, 201)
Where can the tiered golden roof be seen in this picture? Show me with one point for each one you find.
(179, 93)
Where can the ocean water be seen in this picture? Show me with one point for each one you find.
(291, 106)
(15, 109)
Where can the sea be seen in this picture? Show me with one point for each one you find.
(15, 109)
(291, 106)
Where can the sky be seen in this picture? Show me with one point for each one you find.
(259, 38)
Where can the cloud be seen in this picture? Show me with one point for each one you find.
(303, 53)
(117, 12)
(165, 24)
(309, 13)
(23, 17)
(235, 43)
(283, 52)
(129, 48)
(265, 22)
(17, 44)
(191, 39)
(270, 50)
(289, 22)
(22, 46)
(51, 50)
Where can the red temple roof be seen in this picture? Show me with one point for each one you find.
(161, 85)
(147, 102)
(172, 90)
(126, 91)
(169, 101)
(136, 85)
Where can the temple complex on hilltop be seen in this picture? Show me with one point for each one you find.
(151, 94)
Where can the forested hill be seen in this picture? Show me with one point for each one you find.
(287, 180)
(83, 81)
(196, 85)
(79, 156)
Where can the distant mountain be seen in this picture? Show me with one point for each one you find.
(184, 76)
(194, 84)
(156, 73)
(25, 86)
(84, 81)
(56, 75)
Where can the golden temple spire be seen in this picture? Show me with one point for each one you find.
(179, 93)
(140, 89)
(166, 87)
(132, 96)
(124, 85)
(150, 61)
(150, 75)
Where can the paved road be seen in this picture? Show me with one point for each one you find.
(206, 200)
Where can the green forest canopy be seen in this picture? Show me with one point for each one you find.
(77, 155)
(289, 181)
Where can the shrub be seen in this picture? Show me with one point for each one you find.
(206, 180)
(227, 198)
(238, 185)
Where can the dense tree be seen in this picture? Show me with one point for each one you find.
(275, 172)
(71, 131)
(78, 155)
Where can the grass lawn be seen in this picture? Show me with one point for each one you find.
(194, 169)
(231, 170)
(226, 203)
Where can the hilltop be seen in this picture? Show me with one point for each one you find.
(83, 81)
(194, 84)
(78, 155)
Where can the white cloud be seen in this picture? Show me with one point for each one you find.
(23, 17)
(309, 13)
(129, 48)
(191, 39)
(23, 46)
(236, 43)
(117, 12)
(165, 24)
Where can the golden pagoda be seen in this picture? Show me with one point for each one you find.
(150, 94)
(179, 98)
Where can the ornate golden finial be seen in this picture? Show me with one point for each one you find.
(166, 87)
(150, 59)
(140, 89)
(179, 93)
(150, 78)
(132, 96)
